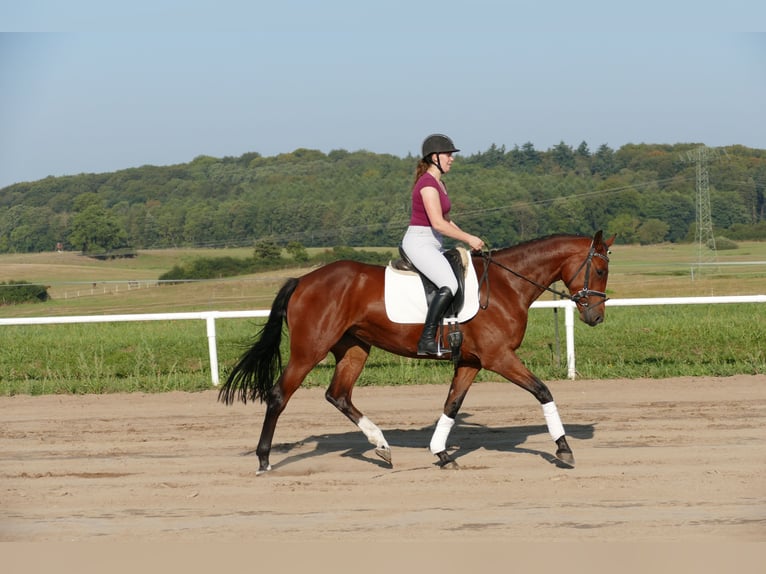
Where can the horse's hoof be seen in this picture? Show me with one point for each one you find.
(565, 458)
(385, 454)
(262, 470)
(446, 461)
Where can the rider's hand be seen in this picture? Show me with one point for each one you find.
(476, 243)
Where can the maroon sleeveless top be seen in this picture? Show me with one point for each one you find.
(419, 215)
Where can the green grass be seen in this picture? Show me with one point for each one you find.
(656, 342)
(158, 356)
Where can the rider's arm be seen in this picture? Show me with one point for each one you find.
(444, 225)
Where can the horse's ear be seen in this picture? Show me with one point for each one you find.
(599, 237)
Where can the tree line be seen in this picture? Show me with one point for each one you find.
(643, 193)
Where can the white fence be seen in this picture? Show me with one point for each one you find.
(569, 308)
(210, 317)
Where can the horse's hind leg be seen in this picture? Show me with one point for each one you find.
(351, 356)
(286, 385)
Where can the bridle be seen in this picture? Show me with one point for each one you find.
(580, 298)
(585, 292)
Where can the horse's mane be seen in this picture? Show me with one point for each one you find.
(536, 240)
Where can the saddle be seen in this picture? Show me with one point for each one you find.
(458, 260)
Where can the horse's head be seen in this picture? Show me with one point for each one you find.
(585, 276)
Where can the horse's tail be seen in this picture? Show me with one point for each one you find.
(254, 375)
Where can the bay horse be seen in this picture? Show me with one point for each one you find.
(339, 309)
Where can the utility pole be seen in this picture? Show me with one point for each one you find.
(703, 236)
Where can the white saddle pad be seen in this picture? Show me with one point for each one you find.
(406, 298)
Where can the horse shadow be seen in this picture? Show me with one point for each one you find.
(466, 438)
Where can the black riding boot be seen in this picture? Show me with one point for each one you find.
(436, 310)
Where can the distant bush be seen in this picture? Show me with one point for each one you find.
(337, 253)
(16, 292)
(722, 244)
(209, 268)
(266, 258)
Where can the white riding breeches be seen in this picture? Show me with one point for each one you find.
(423, 245)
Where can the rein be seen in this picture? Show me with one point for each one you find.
(578, 298)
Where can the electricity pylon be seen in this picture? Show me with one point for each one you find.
(703, 236)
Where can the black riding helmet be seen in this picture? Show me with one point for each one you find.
(437, 143)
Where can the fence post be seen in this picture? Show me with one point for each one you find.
(210, 321)
(569, 325)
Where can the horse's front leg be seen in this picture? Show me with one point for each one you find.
(556, 430)
(461, 382)
(514, 370)
(551, 414)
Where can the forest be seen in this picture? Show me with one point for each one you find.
(643, 193)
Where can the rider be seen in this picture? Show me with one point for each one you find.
(429, 222)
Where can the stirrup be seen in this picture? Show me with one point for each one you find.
(432, 349)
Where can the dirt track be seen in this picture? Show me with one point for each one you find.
(681, 459)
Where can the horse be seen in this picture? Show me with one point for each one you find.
(339, 308)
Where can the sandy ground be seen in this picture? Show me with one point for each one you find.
(679, 459)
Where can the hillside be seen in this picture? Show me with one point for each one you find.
(643, 193)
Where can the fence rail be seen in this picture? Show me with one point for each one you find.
(210, 318)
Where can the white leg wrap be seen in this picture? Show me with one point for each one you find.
(439, 439)
(372, 432)
(553, 420)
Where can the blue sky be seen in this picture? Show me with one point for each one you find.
(89, 86)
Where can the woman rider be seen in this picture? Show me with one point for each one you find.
(430, 222)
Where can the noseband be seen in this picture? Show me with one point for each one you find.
(579, 298)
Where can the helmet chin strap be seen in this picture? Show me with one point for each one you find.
(437, 163)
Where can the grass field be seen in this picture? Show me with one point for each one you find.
(634, 342)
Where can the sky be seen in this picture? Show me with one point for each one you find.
(91, 86)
